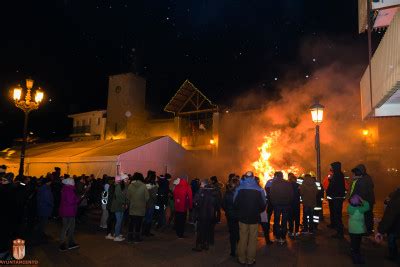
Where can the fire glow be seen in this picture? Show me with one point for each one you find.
(263, 167)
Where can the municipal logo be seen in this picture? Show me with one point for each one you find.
(18, 249)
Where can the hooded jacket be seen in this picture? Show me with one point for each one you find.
(69, 201)
(356, 218)
(308, 192)
(119, 199)
(390, 222)
(363, 186)
(281, 192)
(336, 188)
(138, 195)
(183, 199)
(249, 201)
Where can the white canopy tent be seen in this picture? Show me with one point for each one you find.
(161, 154)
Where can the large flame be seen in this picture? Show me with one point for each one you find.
(263, 167)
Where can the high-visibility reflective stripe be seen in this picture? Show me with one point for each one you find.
(322, 198)
(316, 221)
(104, 201)
(328, 197)
(318, 183)
(299, 181)
(316, 217)
(319, 188)
(317, 208)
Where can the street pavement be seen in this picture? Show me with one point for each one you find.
(165, 249)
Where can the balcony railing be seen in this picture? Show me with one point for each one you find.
(81, 129)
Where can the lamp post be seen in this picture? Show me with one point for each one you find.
(317, 114)
(26, 105)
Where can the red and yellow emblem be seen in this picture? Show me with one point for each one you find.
(19, 249)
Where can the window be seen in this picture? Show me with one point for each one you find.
(78, 123)
(98, 121)
(83, 122)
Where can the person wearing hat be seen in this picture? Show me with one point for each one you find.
(249, 201)
(356, 210)
(68, 209)
(363, 186)
(45, 204)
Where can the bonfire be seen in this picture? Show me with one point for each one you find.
(263, 167)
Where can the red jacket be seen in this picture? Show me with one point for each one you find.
(183, 196)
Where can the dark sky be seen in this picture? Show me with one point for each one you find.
(224, 47)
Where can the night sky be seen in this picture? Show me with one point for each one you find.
(225, 47)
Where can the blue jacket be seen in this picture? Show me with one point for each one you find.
(45, 201)
(249, 201)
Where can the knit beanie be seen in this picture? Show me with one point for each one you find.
(68, 181)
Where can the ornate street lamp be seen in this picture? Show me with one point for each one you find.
(26, 105)
(317, 115)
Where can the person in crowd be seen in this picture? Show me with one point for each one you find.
(195, 185)
(182, 202)
(56, 187)
(118, 205)
(204, 203)
(218, 190)
(363, 186)
(336, 191)
(138, 195)
(270, 208)
(264, 219)
(390, 225)
(249, 201)
(230, 213)
(356, 210)
(308, 192)
(151, 203)
(294, 216)
(325, 185)
(111, 216)
(45, 204)
(281, 194)
(68, 209)
(8, 208)
(104, 202)
(162, 200)
(171, 209)
(31, 207)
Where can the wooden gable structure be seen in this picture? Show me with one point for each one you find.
(189, 100)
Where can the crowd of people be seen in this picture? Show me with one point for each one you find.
(159, 201)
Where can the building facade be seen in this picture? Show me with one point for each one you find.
(88, 125)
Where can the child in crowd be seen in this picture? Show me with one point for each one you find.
(357, 227)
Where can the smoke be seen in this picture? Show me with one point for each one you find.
(336, 86)
(242, 132)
